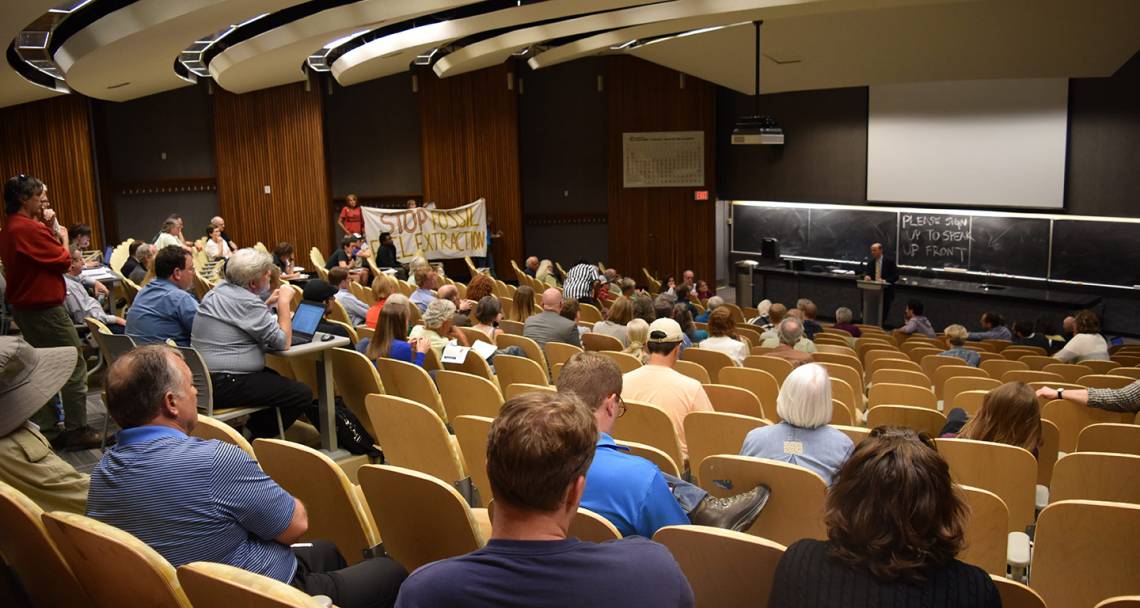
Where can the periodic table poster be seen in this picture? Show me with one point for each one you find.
(663, 159)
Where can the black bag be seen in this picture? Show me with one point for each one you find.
(351, 434)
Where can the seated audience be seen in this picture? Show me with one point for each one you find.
(638, 333)
(956, 336)
(682, 315)
(355, 307)
(143, 260)
(523, 305)
(319, 292)
(1009, 414)
(1087, 344)
(538, 452)
(663, 306)
(463, 308)
(772, 338)
(619, 315)
(843, 317)
(807, 310)
(545, 274)
(414, 265)
(163, 309)
(1068, 328)
(1025, 334)
(488, 313)
(29, 378)
(688, 277)
(391, 338)
(643, 308)
(1125, 399)
(776, 313)
(723, 338)
(283, 260)
(481, 285)
(530, 267)
(171, 234)
(386, 255)
(761, 319)
(425, 286)
(549, 325)
(221, 225)
(790, 333)
(658, 383)
(703, 291)
(130, 263)
(438, 328)
(580, 282)
(571, 310)
(894, 525)
(234, 329)
(628, 287)
(916, 323)
(803, 437)
(993, 328)
(216, 247)
(629, 491)
(350, 256)
(193, 499)
(610, 284)
(79, 304)
(712, 305)
(383, 286)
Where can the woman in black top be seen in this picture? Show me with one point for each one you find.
(894, 525)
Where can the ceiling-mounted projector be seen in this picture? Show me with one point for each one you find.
(757, 131)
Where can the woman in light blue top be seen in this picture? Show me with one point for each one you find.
(803, 438)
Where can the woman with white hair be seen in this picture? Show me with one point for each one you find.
(762, 319)
(545, 274)
(438, 329)
(803, 438)
(637, 330)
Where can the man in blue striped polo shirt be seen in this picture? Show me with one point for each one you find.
(204, 500)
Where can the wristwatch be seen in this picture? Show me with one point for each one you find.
(1060, 393)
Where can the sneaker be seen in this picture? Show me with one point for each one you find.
(737, 512)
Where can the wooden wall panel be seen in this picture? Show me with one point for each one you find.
(662, 229)
(51, 140)
(273, 138)
(470, 147)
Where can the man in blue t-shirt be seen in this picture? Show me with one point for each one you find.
(203, 500)
(538, 452)
(629, 491)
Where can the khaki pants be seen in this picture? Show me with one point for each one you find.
(28, 464)
(45, 329)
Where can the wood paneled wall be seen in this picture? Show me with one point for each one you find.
(51, 140)
(662, 229)
(470, 147)
(273, 138)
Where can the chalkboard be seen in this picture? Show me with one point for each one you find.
(937, 240)
(1096, 252)
(847, 234)
(1010, 245)
(752, 224)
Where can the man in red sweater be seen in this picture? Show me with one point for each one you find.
(35, 258)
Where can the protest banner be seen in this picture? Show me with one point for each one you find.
(434, 233)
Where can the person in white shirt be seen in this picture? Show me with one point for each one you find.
(80, 304)
(723, 338)
(216, 247)
(357, 310)
(1087, 344)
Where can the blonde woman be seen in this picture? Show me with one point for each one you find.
(545, 273)
(383, 286)
(957, 335)
(637, 331)
(523, 305)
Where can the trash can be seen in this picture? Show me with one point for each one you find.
(744, 272)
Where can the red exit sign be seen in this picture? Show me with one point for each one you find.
(701, 195)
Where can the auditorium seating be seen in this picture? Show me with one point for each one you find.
(1110, 437)
(209, 584)
(521, 388)
(663, 461)
(591, 527)
(1096, 476)
(649, 424)
(32, 555)
(471, 434)
(921, 419)
(713, 361)
(414, 437)
(411, 381)
(779, 368)
(795, 507)
(465, 394)
(355, 377)
(1072, 418)
(1085, 551)
(693, 370)
(212, 428)
(626, 363)
(734, 400)
(1007, 471)
(724, 568)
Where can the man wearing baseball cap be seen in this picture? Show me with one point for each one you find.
(658, 383)
(322, 293)
(29, 377)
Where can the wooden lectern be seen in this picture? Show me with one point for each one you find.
(872, 301)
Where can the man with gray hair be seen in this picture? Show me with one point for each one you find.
(439, 326)
(843, 318)
(790, 332)
(712, 305)
(234, 329)
(144, 257)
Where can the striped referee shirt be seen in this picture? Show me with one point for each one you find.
(580, 281)
(193, 500)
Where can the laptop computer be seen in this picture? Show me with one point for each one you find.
(305, 322)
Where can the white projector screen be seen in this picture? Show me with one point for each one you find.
(981, 143)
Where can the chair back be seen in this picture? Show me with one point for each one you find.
(649, 424)
(468, 394)
(1096, 476)
(996, 368)
(471, 433)
(410, 381)
(414, 437)
(710, 433)
(1007, 471)
(335, 511)
(932, 362)
(100, 555)
(734, 400)
(422, 518)
(521, 388)
(795, 508)
(1105, 381)
(890, 363)
(986, 529)
(1069, 372)
(724, 568)
(211, 584)
(713, 361)
(32, 556)
(1120, 601)
(514, 328)
(1110, 437)
(759, 383)
(652, 454)
(472, 364)
(1048, 452)
(317, 258)
(970, 401)
(1035, 362)
(111, 346)
(1101, 367)
(901, 394)
(589, 313)
(201, 377)
(626, 363)
(918, 353)
(558, 352)
(1016, 595)
(871, 356)
(530, 347)
(751, 332)
(1129, 372)
(212, 428)
(590, 527)
(1085, 551)
(901, 376)
(921, 419)
(944, 373)
(1072, 418)
(957, 385)
(518, 370)
(779, 368)
(693, 370)
(824, 345)
(355, 377)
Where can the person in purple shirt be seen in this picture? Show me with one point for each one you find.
(538, 452)
(916, 323)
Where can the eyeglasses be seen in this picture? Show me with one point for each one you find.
(621, 406)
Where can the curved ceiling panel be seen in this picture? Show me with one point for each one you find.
(131, 52)
(392, 54)
(276, 57)
(14, 88)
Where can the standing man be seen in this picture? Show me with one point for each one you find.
(580, 282)
(883, 269)
(35, 259)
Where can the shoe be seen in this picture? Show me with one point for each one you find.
(83, 438)
(733, 513)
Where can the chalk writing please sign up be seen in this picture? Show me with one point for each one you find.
(937, 240)
(663, 159)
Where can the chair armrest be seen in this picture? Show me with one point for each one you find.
(1017, 550)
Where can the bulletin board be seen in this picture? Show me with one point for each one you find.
(663, 159)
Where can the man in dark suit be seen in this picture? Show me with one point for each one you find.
(882, 268)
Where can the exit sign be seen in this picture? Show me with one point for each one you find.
(701, 195)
